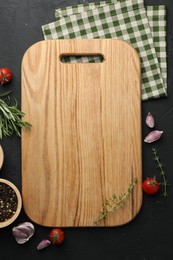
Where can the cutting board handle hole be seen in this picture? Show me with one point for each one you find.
(81, 58)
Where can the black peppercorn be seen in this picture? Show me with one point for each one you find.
(8, 202)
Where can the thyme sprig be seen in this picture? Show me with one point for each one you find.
(10, 117)
(114, 203)
(162, 172)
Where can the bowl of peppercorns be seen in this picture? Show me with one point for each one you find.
(10, 202)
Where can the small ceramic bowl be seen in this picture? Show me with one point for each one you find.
(10, 202)
(1, 156)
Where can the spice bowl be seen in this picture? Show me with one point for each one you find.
(10, 202)
(1, 156)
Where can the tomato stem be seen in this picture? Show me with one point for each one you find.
(4, 77)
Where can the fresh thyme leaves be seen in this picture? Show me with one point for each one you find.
(10, 117)
(162, 172)
(114, 203)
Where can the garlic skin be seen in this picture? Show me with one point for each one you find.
(23, 232)
(153, 136)
(43, 244)
(150, 120)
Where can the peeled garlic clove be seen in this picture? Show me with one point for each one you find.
(43, 244)
(150, 120)
(153, 136)
(23, 232)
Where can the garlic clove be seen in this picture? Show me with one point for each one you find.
(150, 120)
(23, 232)
(153, 136)
(43, 244)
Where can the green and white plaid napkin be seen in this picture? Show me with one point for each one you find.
(143, 27)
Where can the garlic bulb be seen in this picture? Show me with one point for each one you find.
(23, 232)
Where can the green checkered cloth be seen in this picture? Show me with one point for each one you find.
(142, 27)
(157, 22)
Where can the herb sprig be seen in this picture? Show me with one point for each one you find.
(10, 117)
(114, 203)
(162, 172)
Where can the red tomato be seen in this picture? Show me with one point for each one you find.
(5, 76)
(151, 185)
(56, 236)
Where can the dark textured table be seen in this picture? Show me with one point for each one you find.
(149, 236)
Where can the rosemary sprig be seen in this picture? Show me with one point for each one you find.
(114, 203)
(10, 117)
(162, 172)
(3, 94)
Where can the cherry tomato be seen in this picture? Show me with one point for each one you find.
(56, 236)
(5, 76)
(151, 185)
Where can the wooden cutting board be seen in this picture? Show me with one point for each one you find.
(85, 141)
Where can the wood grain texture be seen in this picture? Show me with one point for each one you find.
(85, 141)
